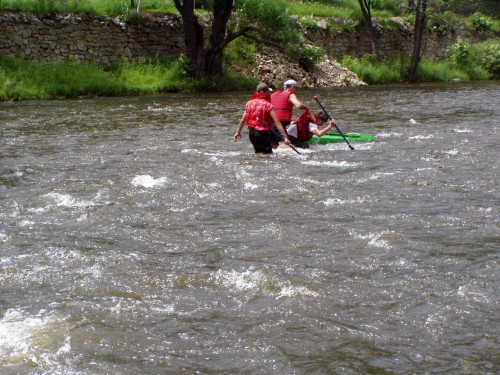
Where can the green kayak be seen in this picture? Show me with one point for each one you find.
(336, 138)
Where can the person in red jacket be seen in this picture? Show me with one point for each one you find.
(284, 102)
(258, 113)
(301, 130)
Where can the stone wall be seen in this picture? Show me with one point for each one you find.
(102, 40)
(88, 39)
(390, 41)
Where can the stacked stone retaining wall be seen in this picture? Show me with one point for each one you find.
(88, 39)
(390, 41)
(102, 40)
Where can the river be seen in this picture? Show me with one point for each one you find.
(137, 238)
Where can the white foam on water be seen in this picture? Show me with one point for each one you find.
(462, 130)
(361, 146)
(66, 347)
(377, 239)
(191, 151)
(471, 293)
(3, 237)
(333, 163)
(378, 175)
(166, 309)
(223, 154)
(66, 200)
(377, 242)
(428, 159)
(160, 109)
(250, 186)
(22, 337)
(147, 181)
(450, 152)
(292, 291)
(388, 135)
(338, 201)
(241, 281)
(288, 151)
(257, 281)
(424, 169)
(420, 137)
(22, 223)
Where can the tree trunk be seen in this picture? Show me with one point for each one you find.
(217, 40)
(420, 17)
(205, 60)
(365, 6)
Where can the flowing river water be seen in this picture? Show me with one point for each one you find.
(137, 238)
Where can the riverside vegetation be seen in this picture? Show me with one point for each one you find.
(25, 79)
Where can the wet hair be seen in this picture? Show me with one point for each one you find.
(321, 116)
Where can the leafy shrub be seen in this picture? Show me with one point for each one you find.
(460, 53)
(487, 55)
(240, 51)
(480, 22)
(309, 22)
(307, 55)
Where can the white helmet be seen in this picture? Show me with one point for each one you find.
(289, 83)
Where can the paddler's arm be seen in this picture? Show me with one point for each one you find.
(297, 103)
(240, 126)
(323, 131)
(280, 127)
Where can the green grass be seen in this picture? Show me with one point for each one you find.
(30, 80)
(24, 80)
(96, 7)
(372, 71)
(318, 8)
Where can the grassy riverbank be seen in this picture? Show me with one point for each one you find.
(466, 62)
(29, 80)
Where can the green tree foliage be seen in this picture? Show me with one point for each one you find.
(468, 7)
(274, 23)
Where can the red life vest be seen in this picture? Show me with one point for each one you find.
(303, 130)
(282, 105)
(259, 109)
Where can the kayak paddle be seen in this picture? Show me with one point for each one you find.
(278, 135)
(330, 117)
